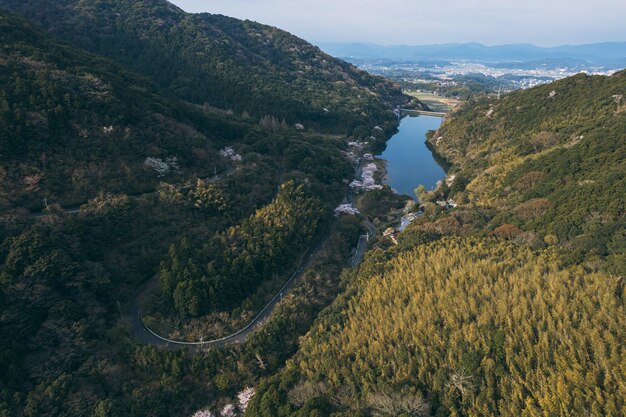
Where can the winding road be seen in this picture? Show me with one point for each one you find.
(147, 336)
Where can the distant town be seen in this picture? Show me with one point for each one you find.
(471, 69)
(452, 74)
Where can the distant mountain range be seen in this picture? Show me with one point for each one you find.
(604, 54)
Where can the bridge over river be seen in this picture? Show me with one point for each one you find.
(423, 112)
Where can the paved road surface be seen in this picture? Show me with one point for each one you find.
(362, 246)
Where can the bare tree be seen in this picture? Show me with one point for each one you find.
(105, 202)
(533, 208)
(543, 140)
(396, 403)
(32, 182)
(345, 397)
(305, 391)
(507, 232)
(462, 381)
(529, 180)
(260, 361)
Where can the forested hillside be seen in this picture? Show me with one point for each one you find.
(548, 165)
(218, 61)
(507, 301)
(73, 124)
(179, 168)
(105, 176)
(462, 327)
(242, 257)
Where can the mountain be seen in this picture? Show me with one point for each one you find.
(557, 146)
(119, 194)
(154, 172)
(161, 73)
(218, 61)
(508, 302)
(74, 124)
(608, 53)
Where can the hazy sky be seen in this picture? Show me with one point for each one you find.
(542, 22)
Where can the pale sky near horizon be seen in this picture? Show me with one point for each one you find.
(417, 22)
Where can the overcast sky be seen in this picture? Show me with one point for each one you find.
(541, 22)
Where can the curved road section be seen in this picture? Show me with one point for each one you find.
(147, 336)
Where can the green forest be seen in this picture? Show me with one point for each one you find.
(461, 327)
(510, 302)
(241, 257)
(548, 165)
(243, 66)
(178, 169)
(74, 125)
(113, 179)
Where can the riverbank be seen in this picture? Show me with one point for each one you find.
(410, 160)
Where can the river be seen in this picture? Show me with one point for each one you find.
(409, 161)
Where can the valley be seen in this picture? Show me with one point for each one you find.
(216, 209)
(203, 216)
(454, 317)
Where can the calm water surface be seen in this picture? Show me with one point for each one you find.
(410, 162)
